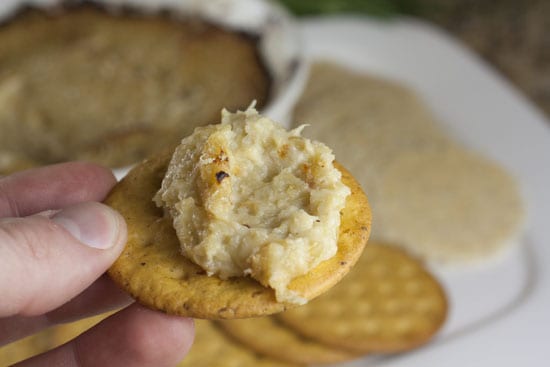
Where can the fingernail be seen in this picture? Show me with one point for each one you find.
(94, 224)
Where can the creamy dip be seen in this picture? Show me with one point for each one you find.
(248, 198)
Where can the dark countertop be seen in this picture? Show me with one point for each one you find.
(514, 36)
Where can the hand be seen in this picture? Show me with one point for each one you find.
(56, 242)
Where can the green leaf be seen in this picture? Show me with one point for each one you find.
(382, 8)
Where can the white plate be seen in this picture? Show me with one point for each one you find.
(500, 313)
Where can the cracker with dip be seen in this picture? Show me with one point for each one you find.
(243, 219)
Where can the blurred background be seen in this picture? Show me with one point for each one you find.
(511, 35)
(84, 82)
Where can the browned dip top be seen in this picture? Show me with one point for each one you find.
(248, 197)
(83, 83)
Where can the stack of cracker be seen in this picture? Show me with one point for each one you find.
(428, 193)
(388, 303)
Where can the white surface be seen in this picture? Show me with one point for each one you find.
(500, 313)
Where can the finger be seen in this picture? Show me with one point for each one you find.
(46, 262)
(53, 187)
(135, 336)
(102, 296)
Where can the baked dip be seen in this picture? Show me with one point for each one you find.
(81, 82)
(248, 198)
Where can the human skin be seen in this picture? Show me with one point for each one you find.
(56, 242)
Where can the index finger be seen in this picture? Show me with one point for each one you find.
(53, 187)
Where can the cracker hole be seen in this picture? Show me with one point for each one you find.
(256, 294)
(334, 308)
(407, 271)
(403, 326)
(385, 288)
(341, 328)
(363, 308)
(394, 307)
(413, 287)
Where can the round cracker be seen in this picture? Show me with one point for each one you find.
(367, 120)
(387, 303)
(212, 348)
(154, 272)
(451, 206)
(267, 336)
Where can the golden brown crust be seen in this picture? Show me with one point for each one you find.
(154, 272)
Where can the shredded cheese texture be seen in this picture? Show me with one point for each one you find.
(249, 198)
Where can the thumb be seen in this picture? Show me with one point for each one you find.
(48, 259)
